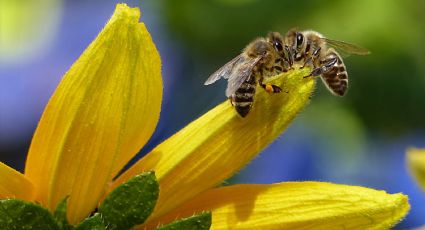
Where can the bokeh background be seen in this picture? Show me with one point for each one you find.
(359, 139)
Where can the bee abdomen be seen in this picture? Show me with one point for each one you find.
(246, 87)
(244, 98)
(243, 108)
(337, 80)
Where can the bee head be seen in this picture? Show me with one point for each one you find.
(295, 41)
(290, 37)
(299, 40)
(275, 39)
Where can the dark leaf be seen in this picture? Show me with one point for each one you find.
(60, 214)
(94, 222)
(18, 214)
(131, 203)
(196, 222)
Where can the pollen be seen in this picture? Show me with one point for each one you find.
(269, 88)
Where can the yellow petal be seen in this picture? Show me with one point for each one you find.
(216, 145)
(416, 164)
(296, 205)
(103, 111)
(14, 184)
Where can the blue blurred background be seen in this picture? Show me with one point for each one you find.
(359, 139)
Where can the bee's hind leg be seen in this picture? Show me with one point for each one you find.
(269, 87)
(325, 67)
(231, 100)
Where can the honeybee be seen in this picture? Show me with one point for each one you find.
(311, 48)
(260, 59)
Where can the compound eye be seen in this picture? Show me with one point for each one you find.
(300, 39)
(278, 46)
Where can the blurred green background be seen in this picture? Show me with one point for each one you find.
(358, 139)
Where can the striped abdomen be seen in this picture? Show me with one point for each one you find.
(243, 98)
(336, 78)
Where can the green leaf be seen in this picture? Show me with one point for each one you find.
(94, 222)
(18, 214)
(60, 214)
(131, 203)
(196, 222)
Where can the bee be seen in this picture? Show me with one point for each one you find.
(311, 48)
(260, 59)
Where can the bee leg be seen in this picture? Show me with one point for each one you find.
(325, 67)
(309, 60)
(312, 58)
(289, 57)
(231, 100)
(280, 69)
(269, 87)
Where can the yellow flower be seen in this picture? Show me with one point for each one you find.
(106, 108)
(416, 165)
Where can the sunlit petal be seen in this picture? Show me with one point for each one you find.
(101, 114)
(14, 184)
(218, 144)
(296, 205)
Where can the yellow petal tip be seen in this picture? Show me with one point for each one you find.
(123, 10)
(401, 208)
(14, 184)
(415, 159)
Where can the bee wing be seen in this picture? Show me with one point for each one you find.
(241, 73)
(345, 47)
(225, 71)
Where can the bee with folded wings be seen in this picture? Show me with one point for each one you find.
(262, 58)
(311, 48)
